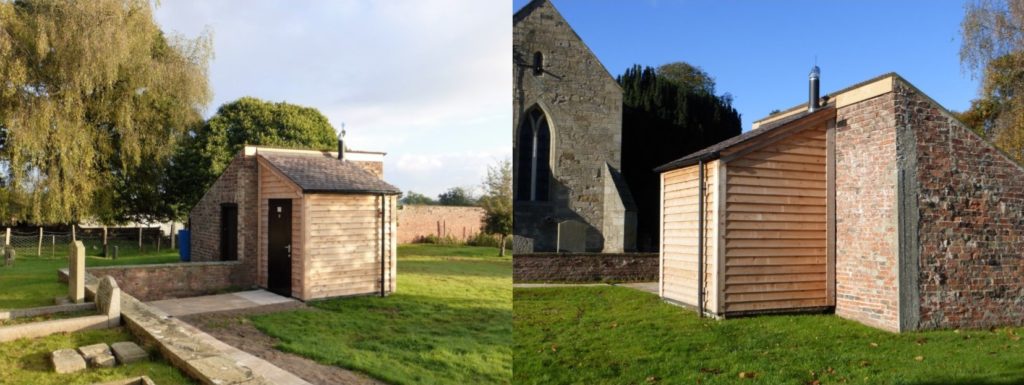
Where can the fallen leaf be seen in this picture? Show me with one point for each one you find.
(652, 379)
(747, 374)
(830, 370)
(957, 331)
(815, 382)
(864, 363)
(554, 347)
(919, 358)
(615, 325)
(874, 345)
(711, 370)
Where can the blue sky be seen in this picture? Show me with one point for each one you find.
(426, 81)
(762, 51)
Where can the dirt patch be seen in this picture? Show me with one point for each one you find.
(234, 329)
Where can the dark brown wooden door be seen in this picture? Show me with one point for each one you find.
(279, 246)
(228, 232)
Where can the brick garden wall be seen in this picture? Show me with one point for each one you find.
(585, 267)
(866, 213)
(971, 229)
(176, 280)
(418, 221)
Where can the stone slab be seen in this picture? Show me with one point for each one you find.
(105, 360)
(67, 361)
(128, 352)
(90, 351)
(130, 381)
(220, 302)
(45, 328)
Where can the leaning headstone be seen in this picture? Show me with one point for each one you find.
(9, 255)
(76, 272)
(128, 352)
(67, 361)
(103, 361)
(108, 300)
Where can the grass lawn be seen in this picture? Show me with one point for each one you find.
(27, 361)
(32, 281)
(450, 321)
(615, 335)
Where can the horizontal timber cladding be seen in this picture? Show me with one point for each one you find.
(775, 225)
(679, 235)
(343, 244)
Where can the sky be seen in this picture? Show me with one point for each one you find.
(425, 81)
(762, 51)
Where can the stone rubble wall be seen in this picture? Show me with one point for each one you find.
(971, 228)
(585, 267)
(418, 221)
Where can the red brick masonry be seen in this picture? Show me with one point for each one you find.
(418, 221)
(585, 267)
(176, 280)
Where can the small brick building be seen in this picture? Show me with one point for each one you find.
(875, 203)
(305, 224)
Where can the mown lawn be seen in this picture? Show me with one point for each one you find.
(450, 322)
(27, 361)
(32, 281)
(615, 335)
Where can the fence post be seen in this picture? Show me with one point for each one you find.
(159, 237)
(172, 234)
(53, 246)
(105, 255)
(7, 239)
(39, 249)
(140, 239)
(73, 236)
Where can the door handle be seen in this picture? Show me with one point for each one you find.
(289, 248)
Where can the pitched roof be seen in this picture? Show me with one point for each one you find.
(320, 173)
(712, 151)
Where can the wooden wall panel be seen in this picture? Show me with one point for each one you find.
(775, 226)
(344, 250)
(679, 236)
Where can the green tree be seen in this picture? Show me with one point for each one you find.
(93, 96)
(208, 148)
(497, 201)
(415, 198)
(993, 46)
(664, 118)
(456, 196)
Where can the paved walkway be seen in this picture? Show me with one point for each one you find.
(220, 302)
(650, 287)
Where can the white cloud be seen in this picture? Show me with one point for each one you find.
(426, 81)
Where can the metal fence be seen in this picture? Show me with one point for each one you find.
(54, 244)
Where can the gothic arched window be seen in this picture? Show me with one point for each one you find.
(534, 143)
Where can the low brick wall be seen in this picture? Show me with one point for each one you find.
(176, 280)
(585, 267)
(418, 221)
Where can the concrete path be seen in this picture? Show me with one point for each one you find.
(650, 287)
(220, 302)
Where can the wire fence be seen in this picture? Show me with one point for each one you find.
(123, 241)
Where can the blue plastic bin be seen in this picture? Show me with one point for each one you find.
(184, 246)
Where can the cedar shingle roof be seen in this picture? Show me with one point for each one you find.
(326, 174)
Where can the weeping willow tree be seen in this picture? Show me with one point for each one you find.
(92, 94)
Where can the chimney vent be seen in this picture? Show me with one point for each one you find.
(341, 143)
(812, 103)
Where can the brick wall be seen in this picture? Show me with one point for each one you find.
(237, 184)
(177, 280)
(585, 267)
(418, 221)
(866, 213)
(971, 229)
(377, 168)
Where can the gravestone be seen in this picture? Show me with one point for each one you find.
(67, 361)
(9, 255)
(76, 272)
(128, 352)
(572, 236)
(108, 300)
(97, 355)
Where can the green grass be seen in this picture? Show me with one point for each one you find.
(32, 281)
(26, 361)
(450, 322)
(614, 335)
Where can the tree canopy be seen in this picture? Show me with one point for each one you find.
(497, 201)
(415, 198)
(667, 113)
(93, 94)
(457, 196)
(209, 147)
(993, 46)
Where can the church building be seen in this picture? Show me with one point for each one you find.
(569, 194)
